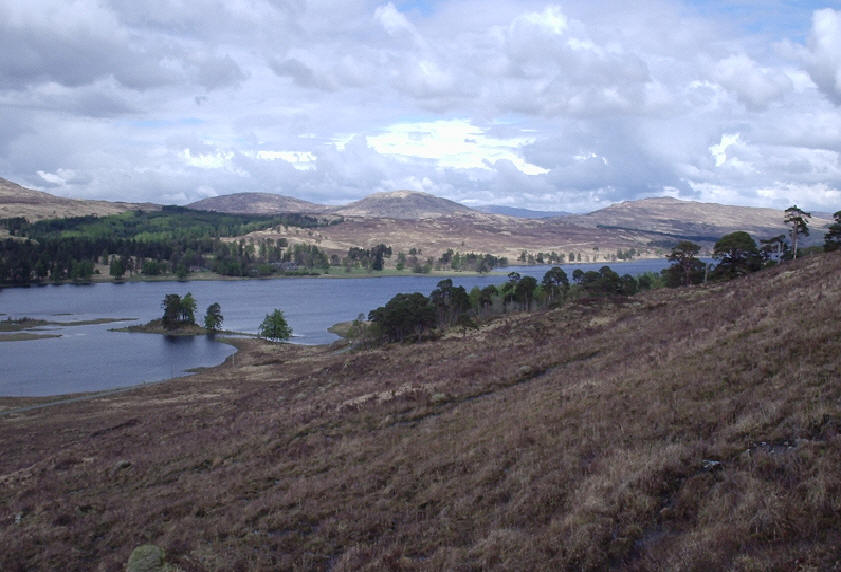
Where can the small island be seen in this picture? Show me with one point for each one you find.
(157, 326)
(179, 319)
(27, 329)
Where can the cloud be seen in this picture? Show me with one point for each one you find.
(719, 150)
(63, 177)
(824, 52)
(72, 44)
(528, 103)
(213, 72)
(292, 68)
(392, 21)
(100, 99)
(455, 143)
(753, 85)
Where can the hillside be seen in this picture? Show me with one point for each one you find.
(257, 203)
(414, 220)
(18, 201)
(476, 232)
(406, 220)
(403, 205)
(688, 218)
(689, 429)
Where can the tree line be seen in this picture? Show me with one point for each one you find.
(414, 317)
(738, 253)
(180, 241)
(175, 240)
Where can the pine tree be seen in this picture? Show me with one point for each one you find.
(797, 218)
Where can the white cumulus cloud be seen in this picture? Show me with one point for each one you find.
(530, 103)
(824, 55)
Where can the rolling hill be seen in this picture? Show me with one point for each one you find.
(18, 201)
(670, 216)
(405, 220)
(257, 203)
(403, 205)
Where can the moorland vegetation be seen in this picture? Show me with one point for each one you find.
(678, 429)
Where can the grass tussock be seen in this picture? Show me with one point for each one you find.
(679, 430)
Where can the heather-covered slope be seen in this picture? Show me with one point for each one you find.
(18, 201)
(689, 218)
(257, 203)
(680, 430)
(403, 205)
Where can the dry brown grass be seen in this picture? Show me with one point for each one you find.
(578, 439)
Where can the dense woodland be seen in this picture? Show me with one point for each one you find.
(179, 241)
(175, 240)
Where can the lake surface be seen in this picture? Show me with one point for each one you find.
(91, 358)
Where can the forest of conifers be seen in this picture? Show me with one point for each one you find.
(171, 240)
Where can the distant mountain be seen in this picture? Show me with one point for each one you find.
(18, 201)
(403, 205)
(406, 220)
(257, 203)
(670, 216)
(517, 212)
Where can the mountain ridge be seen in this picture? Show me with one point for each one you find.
(409, 219)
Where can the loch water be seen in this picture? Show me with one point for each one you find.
(92, 358)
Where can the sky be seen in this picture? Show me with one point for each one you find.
(567, 106)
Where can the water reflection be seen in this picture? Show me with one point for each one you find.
(180, 340)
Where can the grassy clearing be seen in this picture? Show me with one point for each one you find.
(678, 430)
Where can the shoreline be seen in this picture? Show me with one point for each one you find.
(211, 276)
(339, 329)
(11, 404)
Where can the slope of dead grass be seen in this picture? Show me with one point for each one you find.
(680, 430)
